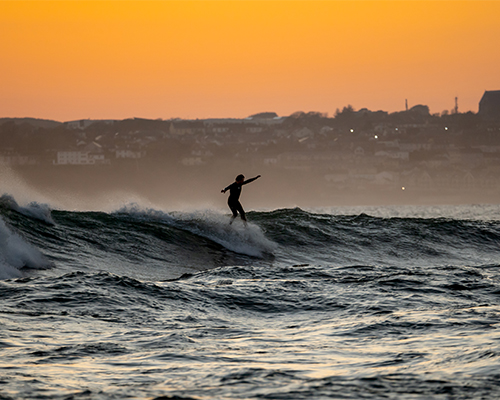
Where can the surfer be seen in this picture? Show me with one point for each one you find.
(234, 196)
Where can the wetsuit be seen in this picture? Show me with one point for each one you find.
(234, 198)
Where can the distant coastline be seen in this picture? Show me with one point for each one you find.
(354, 157)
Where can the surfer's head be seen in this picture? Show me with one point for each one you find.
(240, 178)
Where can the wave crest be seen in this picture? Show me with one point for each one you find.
(35, 210)
(209, 224)
(15, 254)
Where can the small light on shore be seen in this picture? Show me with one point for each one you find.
(403, 188)
(376, 136)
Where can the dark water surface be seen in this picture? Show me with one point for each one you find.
(380, 303)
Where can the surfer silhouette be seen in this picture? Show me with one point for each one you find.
(234, 196)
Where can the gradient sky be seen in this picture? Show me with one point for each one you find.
(165, 59)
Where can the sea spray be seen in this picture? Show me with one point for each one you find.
(15, 254)
(35, 210)
(246, 239)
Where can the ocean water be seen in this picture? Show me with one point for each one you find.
(338, 303)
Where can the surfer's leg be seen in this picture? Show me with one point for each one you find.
(242, 215)
(234, 210)
(242, 212)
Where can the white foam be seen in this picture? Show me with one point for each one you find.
(15, 254)
(249, 240)
(35, 210)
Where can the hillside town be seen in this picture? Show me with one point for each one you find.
(354, 150)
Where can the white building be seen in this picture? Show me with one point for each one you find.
(10, 159)
(399, 155)
(129, 154)
(79, 158)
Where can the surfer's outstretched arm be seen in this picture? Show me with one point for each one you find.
(250, 180)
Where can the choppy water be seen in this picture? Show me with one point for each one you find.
(374, 303)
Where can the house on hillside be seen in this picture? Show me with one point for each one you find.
(254, 129)
(11, 158)
(85, 123)
(416, 177)
(90, 154)
(490, 178)
(74, 158)
(400, 155)
(471, 157)
(129, 153)
(489, 105)
(442, 179)
(185, 127)
(359, 151)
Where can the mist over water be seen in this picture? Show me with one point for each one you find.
(106, 189)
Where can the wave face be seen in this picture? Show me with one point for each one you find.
(142, 303)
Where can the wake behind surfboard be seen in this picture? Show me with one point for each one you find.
(244, 239)
(241, 237)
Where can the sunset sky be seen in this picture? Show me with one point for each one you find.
(165, 59)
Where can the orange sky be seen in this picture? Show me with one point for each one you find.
(163, 59)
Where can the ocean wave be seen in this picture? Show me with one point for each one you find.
(296, 331)
(244, 239)
(34, 210)
(148, 303)
(167, 244)
(15, 254)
